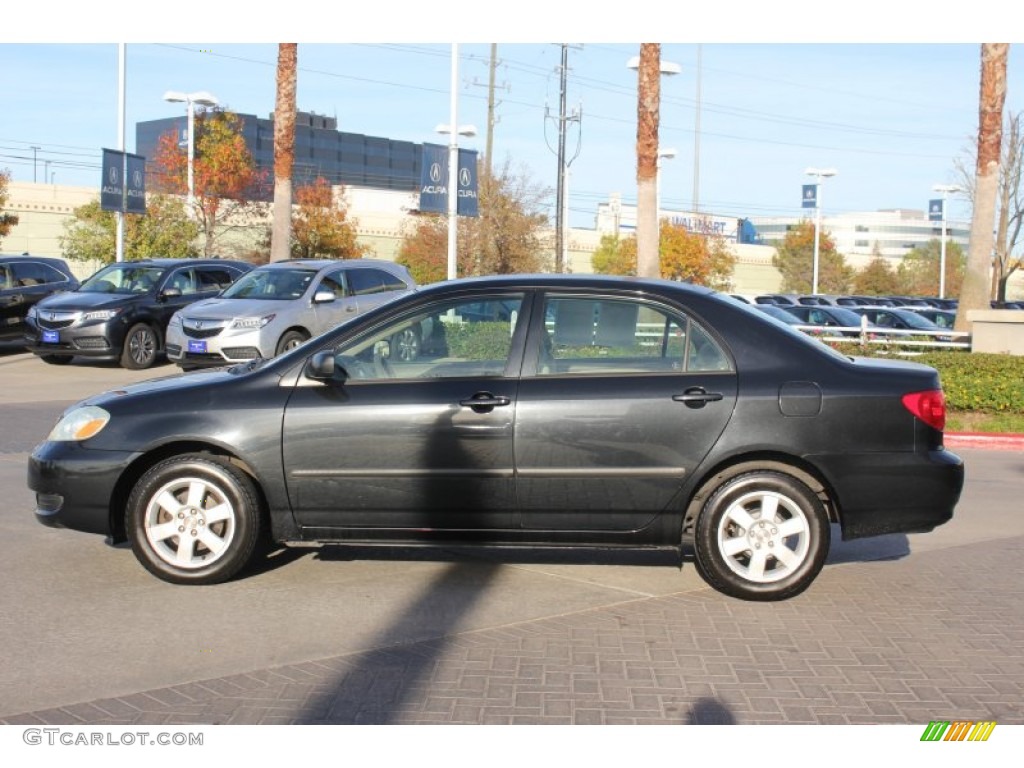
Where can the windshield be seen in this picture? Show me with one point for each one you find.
(124, 279)
(274, 284)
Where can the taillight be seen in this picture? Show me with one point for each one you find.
(928, 406)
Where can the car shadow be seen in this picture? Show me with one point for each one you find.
(892, 546)
(377, 685)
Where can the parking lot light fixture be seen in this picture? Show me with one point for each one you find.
(945, 189)
(205, 99)
(819, 174)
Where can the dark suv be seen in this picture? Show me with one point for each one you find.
(24, 281)
(121, 312)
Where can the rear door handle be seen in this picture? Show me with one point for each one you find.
(697, 397)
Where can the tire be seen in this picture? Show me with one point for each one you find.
(746, 525)
(141, 345)
(193, 519)
(56, 359)
(290, 340)
(406, 345)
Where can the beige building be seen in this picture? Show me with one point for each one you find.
(381, 215)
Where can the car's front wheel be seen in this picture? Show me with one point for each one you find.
(290, 340)
(140, 347)
(194, 519)
(762, 535)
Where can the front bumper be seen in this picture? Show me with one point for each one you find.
(224, 348)
(98, 340)
(76, 487)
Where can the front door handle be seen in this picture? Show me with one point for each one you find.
(697, 397)
(482, 402)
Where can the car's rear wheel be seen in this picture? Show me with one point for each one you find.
(140, 347)
(762, 535)
(194, 519)
(290, 340)
(56, 359)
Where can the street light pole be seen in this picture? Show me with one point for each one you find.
(945, 189)
(819, 174)
(454, 130)
(202, 98)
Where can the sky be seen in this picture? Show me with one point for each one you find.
(764, 93)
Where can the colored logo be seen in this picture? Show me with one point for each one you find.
(958, 730)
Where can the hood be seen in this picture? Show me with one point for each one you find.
(179, 382)
(229, 309)
(79, 300)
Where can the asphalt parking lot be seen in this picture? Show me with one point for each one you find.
(898, 629)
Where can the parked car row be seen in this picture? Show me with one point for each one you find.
(197, 312)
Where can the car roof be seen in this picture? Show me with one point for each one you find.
(170, 262)
(570, 282)
(23, 256)
(329, 263)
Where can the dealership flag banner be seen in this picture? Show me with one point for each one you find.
(122, 190)
(434, 181)
(135, 184)
(810, 196)
(112, 184)
(935, 210)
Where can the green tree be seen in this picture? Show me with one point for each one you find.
(7, 220)
(615, 256)
(878, 278)
(321, 227)
(794, 258)
(163, 231)
(226, 181)
(919, 271)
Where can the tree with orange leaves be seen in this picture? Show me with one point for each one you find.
(228, 185)
(683, 255)
(321, 228)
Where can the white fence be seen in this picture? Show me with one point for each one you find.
(914, 339)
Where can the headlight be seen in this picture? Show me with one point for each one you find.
(100, 314)
(31, 311)
(175, 320)
(80, 424)
(243, 323)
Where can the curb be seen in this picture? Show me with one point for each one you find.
(988, 441)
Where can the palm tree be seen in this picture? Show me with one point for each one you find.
(284, 151)
(974, 294)
(647, 116)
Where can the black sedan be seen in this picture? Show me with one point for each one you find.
(544, 411)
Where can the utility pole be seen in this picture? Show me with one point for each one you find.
(490, 108)
(560, 195)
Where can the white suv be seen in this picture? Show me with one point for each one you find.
(278, 306)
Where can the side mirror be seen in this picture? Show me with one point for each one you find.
(170, 293)
(321, 366)
(322, 297)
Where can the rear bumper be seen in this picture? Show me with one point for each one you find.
(879, 493)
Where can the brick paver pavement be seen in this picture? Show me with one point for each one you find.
(934, 635)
